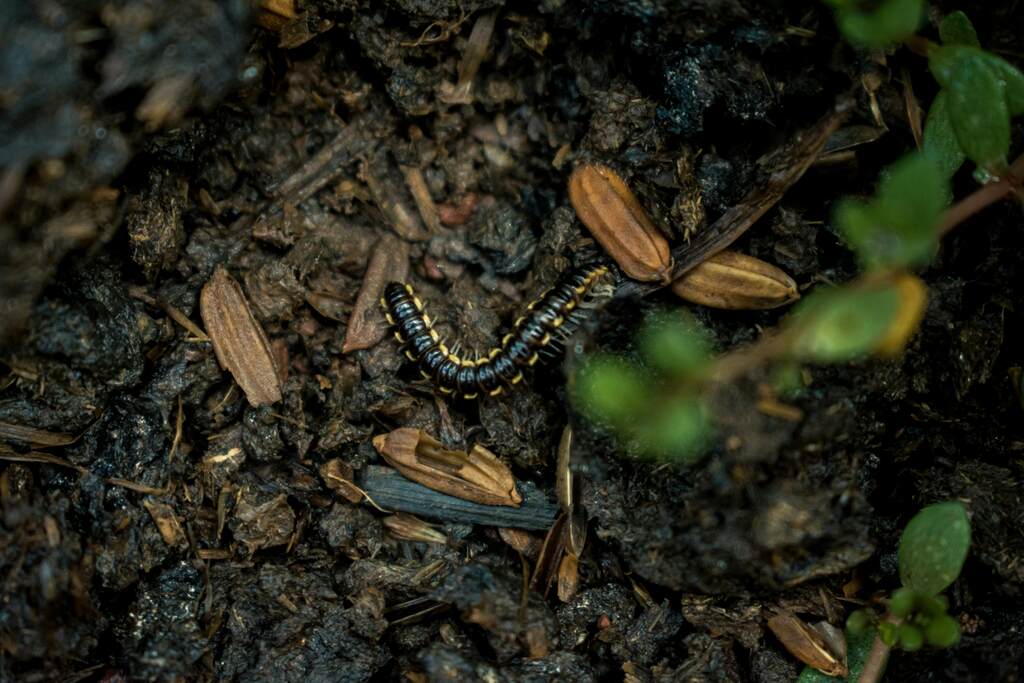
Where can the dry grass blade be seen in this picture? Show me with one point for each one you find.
(478, 475)
(241, 345)
(37, 438)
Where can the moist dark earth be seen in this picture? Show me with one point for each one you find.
(144, 145)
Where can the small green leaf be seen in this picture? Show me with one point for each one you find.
(858, 621)
(841, 324)
(898, 228)
(910, 637)
(976, 101)
(674, 343)
(940, 143)
(901, 603)
(610, 389)
(942, 631)
(882, 24)
(1012, 79)
(933, 547)
(957, 29)
(858, 646)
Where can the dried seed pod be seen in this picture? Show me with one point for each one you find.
(238, 340)
(478, 475)
(613, 215)
(736, 281)
(807, 644)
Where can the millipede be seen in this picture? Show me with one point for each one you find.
(547, 323)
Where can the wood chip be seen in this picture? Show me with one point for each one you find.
(417, 185)
(478, 475)
(238, 339)
(367, 326)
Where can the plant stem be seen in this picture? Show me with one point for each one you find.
(983, 197)
(874, 665)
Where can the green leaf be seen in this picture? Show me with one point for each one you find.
(884, 24)
(858, 646)
(957, 29)
(841, 324)
(933, 547)
(940, 143)
(610, 389)
(1012, 79)
(976, 101)
(674, 343)
(898, 228)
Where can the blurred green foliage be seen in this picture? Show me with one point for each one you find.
(875, 24)
(653, 403)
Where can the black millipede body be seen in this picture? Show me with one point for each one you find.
(548, 321)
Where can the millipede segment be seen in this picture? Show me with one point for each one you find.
(549, 320)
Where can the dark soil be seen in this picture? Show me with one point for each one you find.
(144, 145)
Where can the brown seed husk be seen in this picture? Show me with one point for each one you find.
(807, 645)
(735, 281)
(613, 215)
(238, 340)
(478, 475)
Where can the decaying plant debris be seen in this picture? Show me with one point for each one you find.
(177, 506)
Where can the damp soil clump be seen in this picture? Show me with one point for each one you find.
(160, 523)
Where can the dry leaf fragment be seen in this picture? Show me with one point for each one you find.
(613, 215)
(166, 523)
(338, 476)
(735, 281)
(808, 645)
(412, 528)
(478, 475)
(366, 326)
(238, 340)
